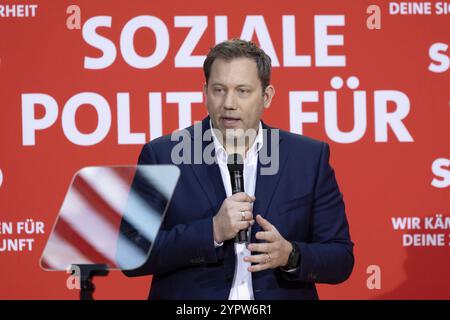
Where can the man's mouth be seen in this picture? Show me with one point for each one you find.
(229, 121)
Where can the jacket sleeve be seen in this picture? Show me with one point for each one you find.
(328, 257)
(180, 246)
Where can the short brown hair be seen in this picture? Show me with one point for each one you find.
(237, 48)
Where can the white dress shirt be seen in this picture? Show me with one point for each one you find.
(242, 288)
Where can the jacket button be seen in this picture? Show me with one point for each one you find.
(312, 276)
(197, 260)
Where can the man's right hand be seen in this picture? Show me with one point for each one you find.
(230, 220)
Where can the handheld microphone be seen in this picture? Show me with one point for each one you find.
(235, 165)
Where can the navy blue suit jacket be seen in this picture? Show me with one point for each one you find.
(302, 201)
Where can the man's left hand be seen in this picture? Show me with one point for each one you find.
(274, 252)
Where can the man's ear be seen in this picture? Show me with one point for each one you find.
(269, 92)
(205, 90)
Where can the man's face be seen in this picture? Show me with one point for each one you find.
(234, 95)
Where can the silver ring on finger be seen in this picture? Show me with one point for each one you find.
(243, 215)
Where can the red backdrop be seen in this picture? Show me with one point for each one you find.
(393, 163)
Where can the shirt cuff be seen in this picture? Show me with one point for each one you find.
(216, 245)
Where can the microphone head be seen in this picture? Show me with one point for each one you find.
(235, 162)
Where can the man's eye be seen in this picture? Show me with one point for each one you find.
(218, 90)
(244, 91)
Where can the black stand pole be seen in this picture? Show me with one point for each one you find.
(86, 273)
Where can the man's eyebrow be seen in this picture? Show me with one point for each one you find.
(217, 84)
(248, 85)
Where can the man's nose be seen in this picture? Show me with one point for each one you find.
(230, 101)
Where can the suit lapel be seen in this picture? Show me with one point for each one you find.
(208, 175)
(266, 185)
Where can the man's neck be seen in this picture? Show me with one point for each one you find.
(237, 145)
(242, 150)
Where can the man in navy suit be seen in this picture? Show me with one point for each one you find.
(292, 208)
